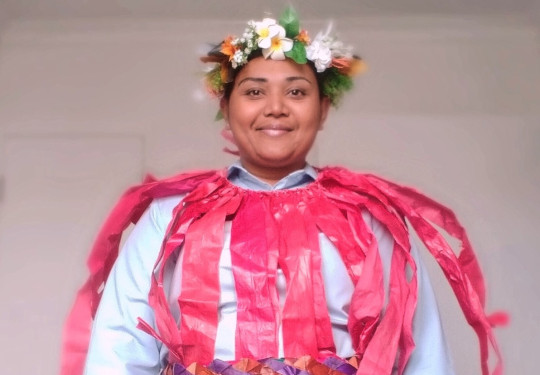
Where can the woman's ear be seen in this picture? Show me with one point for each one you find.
(325, 108)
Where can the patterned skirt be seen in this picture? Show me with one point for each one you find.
(270, 366)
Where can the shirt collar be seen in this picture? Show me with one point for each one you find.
(239, 176)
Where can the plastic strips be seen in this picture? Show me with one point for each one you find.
(254, 266)
(286, 225)
(131, 206)
(463, 272)
(340, 219)
(306, 323)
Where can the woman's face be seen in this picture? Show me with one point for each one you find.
(274, 112)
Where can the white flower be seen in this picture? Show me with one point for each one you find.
(339, 49)
(265, 31)
(272, 39)
(238, 56)
(319, 52)
(238, 59)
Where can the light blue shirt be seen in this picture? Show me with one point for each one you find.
(118, 347)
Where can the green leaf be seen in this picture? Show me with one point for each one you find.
(219, 115)
(297, 53)
(289, 21)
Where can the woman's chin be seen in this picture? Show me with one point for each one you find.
(278, 160)
(274, 161)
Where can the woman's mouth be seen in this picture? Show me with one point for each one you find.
(274, 130)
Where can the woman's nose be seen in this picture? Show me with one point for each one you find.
(276, 105)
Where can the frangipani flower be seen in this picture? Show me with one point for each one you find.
(272, 39)
(265, 31)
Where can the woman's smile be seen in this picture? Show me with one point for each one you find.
(274, 130)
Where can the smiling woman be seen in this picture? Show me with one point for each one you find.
(273, 265)
(274, 112)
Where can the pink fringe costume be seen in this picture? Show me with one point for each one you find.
(280, 229)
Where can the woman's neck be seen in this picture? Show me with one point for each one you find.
(272, 175)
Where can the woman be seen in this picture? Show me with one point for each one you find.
(274, 258)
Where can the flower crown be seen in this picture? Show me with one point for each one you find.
(335, 63)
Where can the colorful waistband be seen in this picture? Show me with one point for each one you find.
(270, 366)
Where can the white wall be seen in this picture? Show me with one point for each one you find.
(449, 105)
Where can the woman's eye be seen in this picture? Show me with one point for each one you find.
(253, 92)
(296, 92)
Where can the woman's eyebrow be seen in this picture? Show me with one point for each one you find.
(296, 78)
(254, 79)
(264, 80)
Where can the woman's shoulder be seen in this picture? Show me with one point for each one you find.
(164, 205)
(154, 200)
(161, 209)
(164, 194)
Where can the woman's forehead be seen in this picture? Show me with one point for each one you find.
(275, 70)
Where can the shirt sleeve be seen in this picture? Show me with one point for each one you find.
(117, 346)
(430, 355)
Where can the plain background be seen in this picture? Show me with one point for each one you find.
(93, 98)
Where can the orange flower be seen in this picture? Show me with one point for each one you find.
(227, 48)
(350, 67)
(303, 37)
